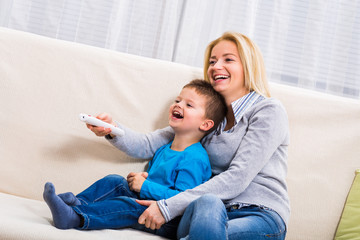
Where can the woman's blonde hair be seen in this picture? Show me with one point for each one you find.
(251, 59)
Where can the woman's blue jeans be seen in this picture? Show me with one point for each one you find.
(109, 203)
(207, 218)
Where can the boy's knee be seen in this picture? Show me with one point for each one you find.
(115, 178)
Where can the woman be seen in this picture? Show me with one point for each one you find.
(247, 196)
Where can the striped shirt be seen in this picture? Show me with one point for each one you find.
(239, 107)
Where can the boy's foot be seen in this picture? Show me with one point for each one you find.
(64, 216)
(70, 199)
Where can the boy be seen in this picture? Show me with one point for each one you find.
(175, 167)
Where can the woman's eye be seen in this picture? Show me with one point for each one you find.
(212, 62)
(229, 59)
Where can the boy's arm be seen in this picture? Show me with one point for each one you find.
(134, 144)
(191, 172)
(140, 145)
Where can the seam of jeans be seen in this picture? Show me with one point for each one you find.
(127, 190)
(86, 218)
(276, 219)
(269, 212)
(109, 213)
(107, 193)
(83, 202)
(275, 235)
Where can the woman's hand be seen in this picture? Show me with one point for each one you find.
(101, 131)
(136, 180)
(152, 216)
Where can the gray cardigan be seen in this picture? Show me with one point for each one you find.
(249, 162)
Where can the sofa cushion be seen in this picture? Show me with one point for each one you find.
(29, 219)
(349, 226)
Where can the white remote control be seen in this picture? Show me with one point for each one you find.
(97, 122)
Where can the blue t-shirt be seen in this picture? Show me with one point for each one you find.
(172, 172)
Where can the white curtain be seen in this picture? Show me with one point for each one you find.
(313, 44)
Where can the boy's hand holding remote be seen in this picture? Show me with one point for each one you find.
(101, 131)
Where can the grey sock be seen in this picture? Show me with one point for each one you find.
(64, 216)
(70, 199)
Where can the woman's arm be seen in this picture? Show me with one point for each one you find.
(267, 131)
(152, 217)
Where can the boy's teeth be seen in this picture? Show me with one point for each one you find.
(177, 114)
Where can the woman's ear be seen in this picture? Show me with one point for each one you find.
(207, 125)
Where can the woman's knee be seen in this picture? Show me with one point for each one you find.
(209, 204)
(204, 217)
(209, 200)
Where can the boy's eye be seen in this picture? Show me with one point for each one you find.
(189, 105)
(177, 101)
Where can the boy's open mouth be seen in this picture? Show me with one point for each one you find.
(177, 114)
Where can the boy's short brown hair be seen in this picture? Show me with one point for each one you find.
(215, 108)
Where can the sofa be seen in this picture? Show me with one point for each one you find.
(46, 83)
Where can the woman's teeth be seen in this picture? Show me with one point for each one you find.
(218, 77)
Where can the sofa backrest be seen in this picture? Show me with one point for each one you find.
(45, 84)
(323, 157)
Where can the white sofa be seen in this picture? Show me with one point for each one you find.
(46, 83)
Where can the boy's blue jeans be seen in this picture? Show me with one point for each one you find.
(207, 218)
(109, 203)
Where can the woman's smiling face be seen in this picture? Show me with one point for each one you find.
(225, 71)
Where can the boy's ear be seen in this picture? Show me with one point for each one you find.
(207, 125)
